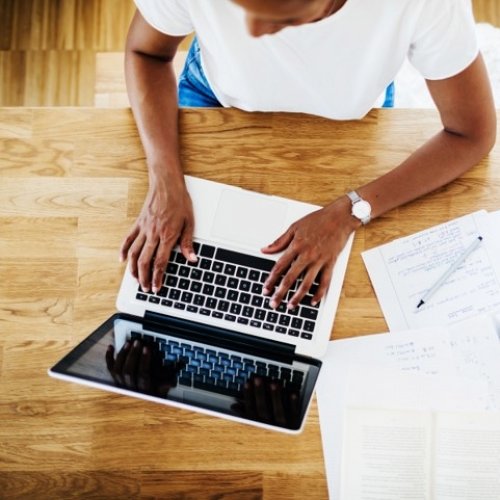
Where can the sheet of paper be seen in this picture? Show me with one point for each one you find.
(393, 454)
(475, 348)
(412, 352)
(386, 454)
(403, 270)
(413, 369)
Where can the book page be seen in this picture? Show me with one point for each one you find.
(467, 456)
(386, 455)
(403, 270)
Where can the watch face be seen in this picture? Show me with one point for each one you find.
(361, 209)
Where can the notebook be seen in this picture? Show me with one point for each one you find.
(208, 340)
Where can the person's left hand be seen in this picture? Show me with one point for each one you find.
(311, 247)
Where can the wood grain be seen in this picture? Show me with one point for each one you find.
(72, 181)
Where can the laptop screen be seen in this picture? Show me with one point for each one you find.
(178, 363)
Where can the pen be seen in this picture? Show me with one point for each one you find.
(450, 271)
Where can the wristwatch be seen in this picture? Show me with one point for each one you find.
(361, 209)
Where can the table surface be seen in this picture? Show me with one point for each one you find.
(72, 182)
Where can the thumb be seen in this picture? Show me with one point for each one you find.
(281, 243)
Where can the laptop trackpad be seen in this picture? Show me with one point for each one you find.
(249, 219)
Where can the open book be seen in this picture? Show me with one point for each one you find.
(424, 455)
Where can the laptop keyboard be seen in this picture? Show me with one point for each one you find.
(217, 370)
(228, 285)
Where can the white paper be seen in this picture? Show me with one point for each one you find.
(391, 454)
(403, 270)
(416, 369)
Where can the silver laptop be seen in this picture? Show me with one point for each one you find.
(208, 340)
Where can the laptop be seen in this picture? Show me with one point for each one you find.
(208, 340)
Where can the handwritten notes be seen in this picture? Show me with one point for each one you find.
(403, 271)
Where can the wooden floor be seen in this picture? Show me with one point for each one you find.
(49, 49)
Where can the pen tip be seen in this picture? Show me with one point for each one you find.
(480, 238)
(421, 303)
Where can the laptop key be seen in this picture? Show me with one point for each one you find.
(309, 326)
(196, 274)
(243, 321)
(220, 280)
(235, 309)
(184, 284)
(241, 272)
(306, 336)
(293, 333)
(205, 263)
(256, 324)
(217, 266)
(154, 300)
(254, 275)
(205, 312)
(199, 300)
(308, 313)
(211, 303)
(180, 305)
(217, 314)
(223, 305)
(141, 296)
(248, 311)
(174, 294)
(208, 277)
(232, 283)
(172, 268)
(187, 297)
(230, 317)
(268, 326)
(207, 251)
(260, 314)
(208, 289)
(184, 271)
(241, 259)
(229, 269)
(167, 303)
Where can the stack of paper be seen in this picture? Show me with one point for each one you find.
(414, 414)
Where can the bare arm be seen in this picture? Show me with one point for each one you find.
(167, 215)
(312, 244)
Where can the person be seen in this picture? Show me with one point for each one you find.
(331, 58)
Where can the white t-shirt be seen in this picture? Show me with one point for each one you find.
(337, 67)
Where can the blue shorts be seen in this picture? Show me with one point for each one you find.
(194, 89)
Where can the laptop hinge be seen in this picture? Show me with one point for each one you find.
(224, 337)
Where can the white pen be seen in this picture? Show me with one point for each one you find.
(439, 283)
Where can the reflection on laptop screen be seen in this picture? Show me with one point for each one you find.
(172, 363)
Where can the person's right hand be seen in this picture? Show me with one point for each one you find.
(165, 219)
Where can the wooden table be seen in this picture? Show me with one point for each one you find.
(71, 183)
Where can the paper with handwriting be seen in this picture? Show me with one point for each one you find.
(403, 270)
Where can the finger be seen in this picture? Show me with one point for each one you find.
(144, 263)
(277, 402)
(281, 243)
(304, 287)
(186, 242)
(287, 282)
(282, 264)
(127, 242)
(133, 254)
(110, 358)
(144, 370)
(294, 415)
(130, 366)
(120, 360)
(326, 277)
(260, 399)
(249, 399)
(160, 263)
